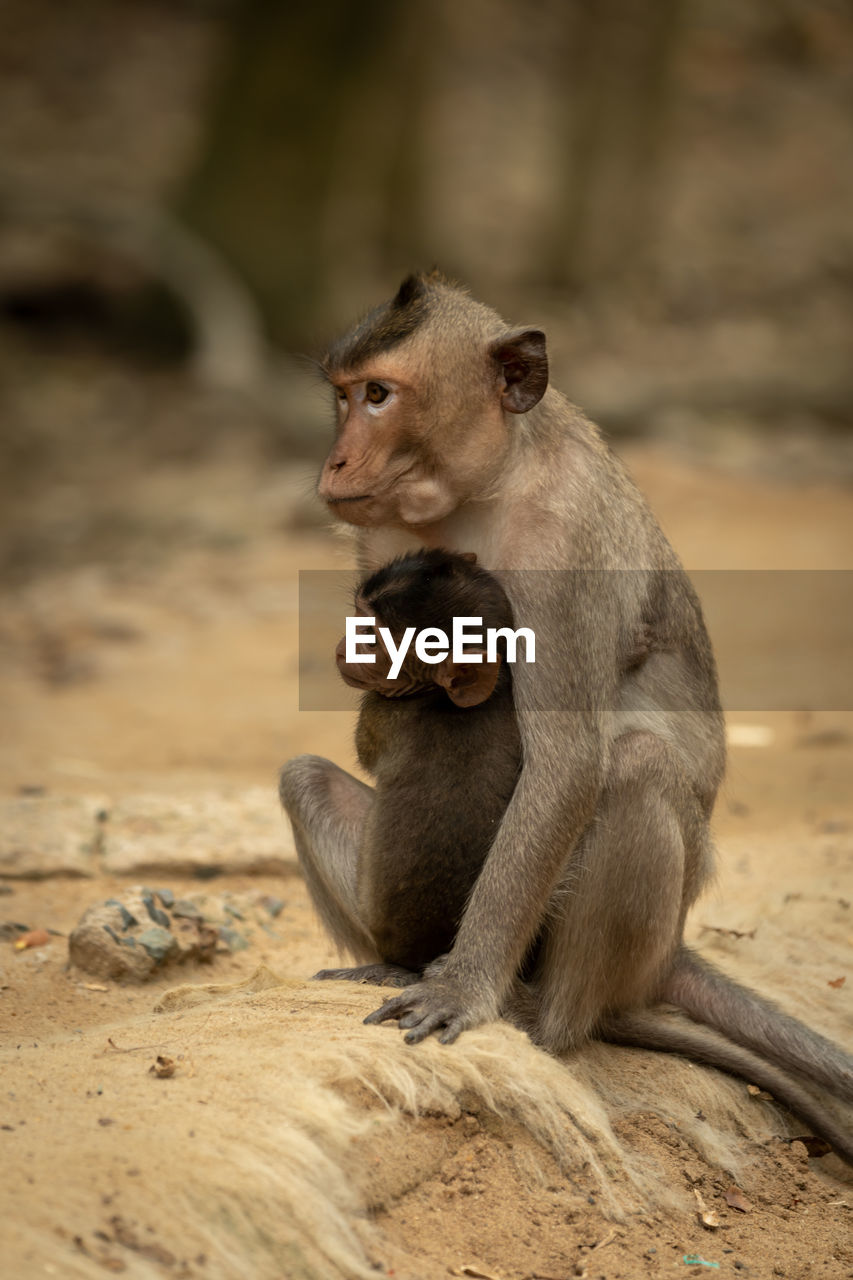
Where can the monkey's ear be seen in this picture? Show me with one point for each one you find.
(468, 683)
(523, 359)
(470, 556)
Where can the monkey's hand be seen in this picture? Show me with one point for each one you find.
(437, 1004)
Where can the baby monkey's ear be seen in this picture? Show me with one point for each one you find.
(468, 683)
(470, 556)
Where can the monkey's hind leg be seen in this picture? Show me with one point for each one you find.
(327, 808)
(615, 918)
(385, 975)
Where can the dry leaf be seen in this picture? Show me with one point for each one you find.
(163, 1067)
(708, 1217)
(94, 986)
(836, 982)
(816, 1147)
(470, 1270)
(735, 1199)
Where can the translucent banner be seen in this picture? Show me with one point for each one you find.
(783, 639)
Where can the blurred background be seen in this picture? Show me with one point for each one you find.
(196, 194)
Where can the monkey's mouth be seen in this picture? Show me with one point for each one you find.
(339, 502)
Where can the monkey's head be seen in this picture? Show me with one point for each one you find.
(426, 590)
(425, 386)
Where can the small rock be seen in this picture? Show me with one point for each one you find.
(96, 946)
(159, 917)
(158, 942)
(233, 940)
(274, 906)
(11, 930)
(186, 910)
(117, 939)
(127, 920)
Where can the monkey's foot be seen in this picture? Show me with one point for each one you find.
(378, 975)
(439, 1004)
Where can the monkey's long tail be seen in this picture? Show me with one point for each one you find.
(709, 996)
(671, 1033)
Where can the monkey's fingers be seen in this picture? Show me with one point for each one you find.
(443, 1017)
(435, 1022)
(394, 1008)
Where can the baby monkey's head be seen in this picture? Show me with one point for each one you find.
(414, 601)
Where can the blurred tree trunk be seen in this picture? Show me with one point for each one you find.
(616, 68)
(374, 215)
(308, 141)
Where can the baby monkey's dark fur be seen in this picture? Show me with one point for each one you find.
(444, 772)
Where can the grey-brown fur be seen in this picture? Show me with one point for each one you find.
(605, 842)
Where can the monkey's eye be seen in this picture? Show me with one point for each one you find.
(375, 393)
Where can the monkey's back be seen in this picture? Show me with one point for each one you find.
(444, 777)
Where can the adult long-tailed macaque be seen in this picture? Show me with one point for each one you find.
(449, 435)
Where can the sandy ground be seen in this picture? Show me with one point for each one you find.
(178, 681)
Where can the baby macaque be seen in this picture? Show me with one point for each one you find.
(442, 742)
